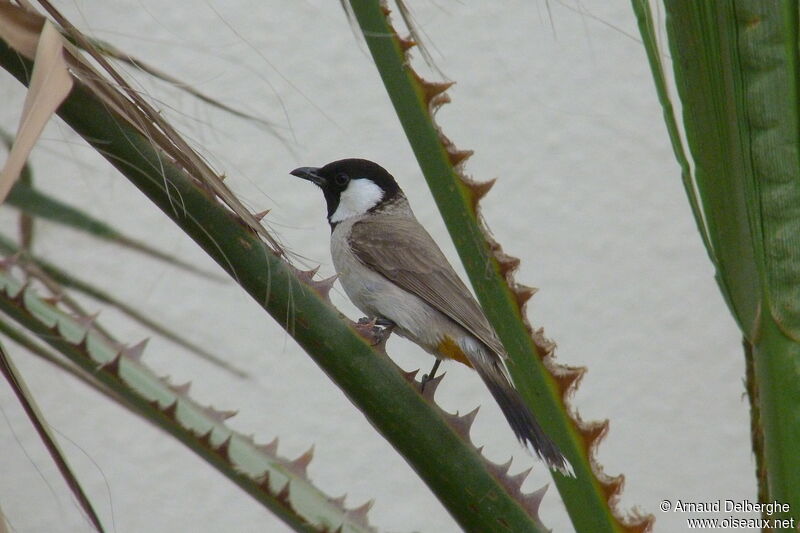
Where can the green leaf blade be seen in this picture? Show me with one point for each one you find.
(736, 70)
(702, 49)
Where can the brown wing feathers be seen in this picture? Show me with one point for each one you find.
(400, 249)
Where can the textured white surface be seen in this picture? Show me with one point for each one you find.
(562, 110)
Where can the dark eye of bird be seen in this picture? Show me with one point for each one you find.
(341, 178)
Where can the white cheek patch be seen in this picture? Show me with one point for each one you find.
(360, 196)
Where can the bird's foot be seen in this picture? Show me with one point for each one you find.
(376, 321)
(374, 330)
(428, 377)
(385, 323)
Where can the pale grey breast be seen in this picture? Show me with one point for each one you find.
(376, 296)
(400, 249)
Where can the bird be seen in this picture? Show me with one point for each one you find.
(394, 272)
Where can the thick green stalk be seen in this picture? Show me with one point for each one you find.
(736, 71)
(421, 433)
(584, 498)
(735, 67)
(777, 370)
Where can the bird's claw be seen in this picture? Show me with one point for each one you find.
(375, 330)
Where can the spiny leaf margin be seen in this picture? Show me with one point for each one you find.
(169, 406)
(591, 498)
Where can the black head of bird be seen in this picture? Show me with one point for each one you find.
(351, 187)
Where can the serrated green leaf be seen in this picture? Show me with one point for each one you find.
(152, 397)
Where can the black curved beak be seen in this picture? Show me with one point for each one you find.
(309, 173)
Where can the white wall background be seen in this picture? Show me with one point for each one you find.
(560, 107)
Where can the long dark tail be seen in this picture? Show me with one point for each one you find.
(519, 416)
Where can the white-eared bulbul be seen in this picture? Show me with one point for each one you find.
(393, 271)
